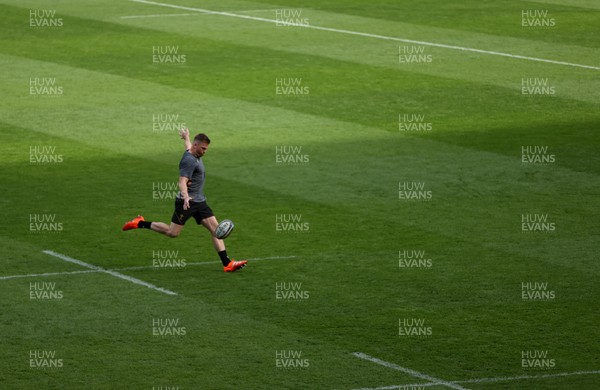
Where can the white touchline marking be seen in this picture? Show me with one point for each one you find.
(384, 37)
(202, 263)
(513, 378)
(113, 273)
(271, 258)
(396, 387)
(130, 268)
(258, 10)
(161, 15)
(487, 380)
(154, 16)
(414, 373)
(47, 274)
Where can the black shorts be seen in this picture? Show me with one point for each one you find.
(198, 210)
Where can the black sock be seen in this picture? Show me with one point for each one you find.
(144, 224)
(224, 259)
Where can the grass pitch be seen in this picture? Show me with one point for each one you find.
(441, 216)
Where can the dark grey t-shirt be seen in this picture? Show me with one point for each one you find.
(193, 168)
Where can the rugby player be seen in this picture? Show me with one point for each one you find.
(191, 201)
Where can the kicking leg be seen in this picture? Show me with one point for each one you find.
(229, 265)
(172, 230)
(211, 224)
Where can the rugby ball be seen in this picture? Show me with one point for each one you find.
(224, 229)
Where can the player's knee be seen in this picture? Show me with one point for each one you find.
(172, 234)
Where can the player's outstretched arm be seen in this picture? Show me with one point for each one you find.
(184, 133)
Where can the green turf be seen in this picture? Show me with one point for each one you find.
(348, 260)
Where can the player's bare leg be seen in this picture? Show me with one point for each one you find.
(211, 224)
(171, 230)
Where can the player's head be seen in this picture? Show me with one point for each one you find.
(200, 144)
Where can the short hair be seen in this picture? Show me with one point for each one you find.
(202, 138)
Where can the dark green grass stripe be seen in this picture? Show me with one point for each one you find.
(455, 212)
(69, 188)
(357, 292)
(339, 90)
(573, 25)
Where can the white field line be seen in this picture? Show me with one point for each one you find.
(46, 274)
(258, 10)
(384, 37)
(130, 268)
(485, 380)
(433, 380)
(521, 377)
(113, 273)
(411, 386)
(154, 16)
(194, 14)
(437, 382)
(204, 263)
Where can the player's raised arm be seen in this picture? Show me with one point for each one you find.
(184, 133)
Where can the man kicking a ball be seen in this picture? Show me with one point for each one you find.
(190, 201)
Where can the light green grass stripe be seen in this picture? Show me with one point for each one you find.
(105, 113)
(590, 4)
(119, 121)
(132, 311)
(116, 113)
(365, 34)
(578, 84)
